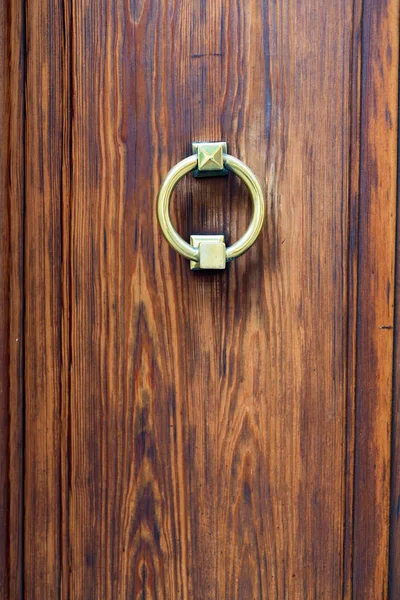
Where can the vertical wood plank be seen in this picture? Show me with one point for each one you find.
(17, 66)
(12, 60)
(394, 547)
(377, 224)
(45, 120)
(207, 410)
(4, 303)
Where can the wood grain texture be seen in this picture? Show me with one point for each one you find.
(207, 437)
(197, 435)
(353, 200)
(377, 230)
(394, 548)
(4, 302)
(44, 122)
(16, 183)
(12, 59)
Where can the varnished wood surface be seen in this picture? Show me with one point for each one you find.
(206, 409)
(394, 567)
(193, 435)
(4, 287)
(352, 296)
(12, 174)
(375, 317)
(43, 240)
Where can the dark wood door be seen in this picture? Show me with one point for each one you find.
(180, 435)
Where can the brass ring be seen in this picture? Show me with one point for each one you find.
(183, 168)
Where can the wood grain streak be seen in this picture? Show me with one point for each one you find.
(353, 199)
(66, 184)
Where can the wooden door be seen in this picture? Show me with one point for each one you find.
(180, 435)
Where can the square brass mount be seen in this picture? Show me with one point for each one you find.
(212, 251)
(210, 162)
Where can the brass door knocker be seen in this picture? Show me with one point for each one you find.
(209, 251)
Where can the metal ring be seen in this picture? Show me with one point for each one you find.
(183, 168)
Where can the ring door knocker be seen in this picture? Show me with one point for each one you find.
(209, 251)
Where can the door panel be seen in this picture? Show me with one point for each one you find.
(227, 390)
(189, 434)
